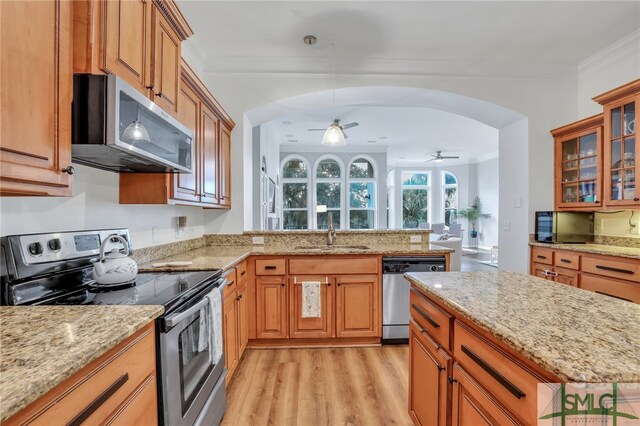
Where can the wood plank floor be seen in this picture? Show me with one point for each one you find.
(328, 386)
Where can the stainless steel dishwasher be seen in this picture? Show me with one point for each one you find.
(395, 293)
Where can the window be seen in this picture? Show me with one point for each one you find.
(415, 199)
(329, 191)
(450, 197)
(362, 193)
(295, 193)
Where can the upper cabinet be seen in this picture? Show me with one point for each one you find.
(35, 111)
(578, 165)
(210, 183)
(138, 40)
(621, 151)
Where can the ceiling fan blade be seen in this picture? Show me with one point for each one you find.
(349, 125)
(431, 159)
(317, 130)
(449, 157)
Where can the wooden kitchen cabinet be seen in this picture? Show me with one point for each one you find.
(230, 335)
(126, 374)
(200, 112)
(225, 166)
(166, 64)
(429, 391)
(358, 306)
(621, 145)
(578, 164)
(315, 327)
(236, 320)
(35, 110)
(271, 310)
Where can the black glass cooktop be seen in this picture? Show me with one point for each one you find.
(167, 289)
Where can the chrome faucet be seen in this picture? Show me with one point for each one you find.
(331, 231)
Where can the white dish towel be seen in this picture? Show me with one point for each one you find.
(215, 304)
(311, 299)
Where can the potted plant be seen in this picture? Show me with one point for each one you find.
(473, 214)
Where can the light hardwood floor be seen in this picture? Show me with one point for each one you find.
(309, 387)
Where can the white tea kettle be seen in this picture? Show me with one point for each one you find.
(114, 267)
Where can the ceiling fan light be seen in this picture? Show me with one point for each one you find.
(333, 136)
(438, 160)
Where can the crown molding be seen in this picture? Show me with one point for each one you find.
(578, 126)
(612, 54)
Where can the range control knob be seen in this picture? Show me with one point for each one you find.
(54, 244)
(35, 249)
(434, 268)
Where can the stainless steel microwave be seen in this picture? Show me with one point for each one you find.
(564, 227)
(116, 128)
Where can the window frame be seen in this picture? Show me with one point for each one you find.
(425, 187)
(444, 186)
(284, 181)
(373, 180)
(316, 180)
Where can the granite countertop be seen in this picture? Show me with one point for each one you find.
(223, 257)
(41, 346)
(630, 252)
(577, 335)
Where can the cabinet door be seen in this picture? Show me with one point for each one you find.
(186, 186)
(566, 276)
(209, 124)
(230, 336)
(243, 319)
(127, 36)
(306, 326)
(35, 117)
(358, 306)
(428, 372)
(541, 271)
(166, 65)
(225, 166)
(621, 165)
(271, 308)
(473, 405)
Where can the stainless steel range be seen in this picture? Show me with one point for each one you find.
(56, 269)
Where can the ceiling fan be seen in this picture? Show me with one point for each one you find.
(438, 157)
(336, 123)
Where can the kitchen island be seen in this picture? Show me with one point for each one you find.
(497, 335)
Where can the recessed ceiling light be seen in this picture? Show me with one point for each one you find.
(382, 138)
(371, 141)
(289, 136)
(292, 140)
(286, 123)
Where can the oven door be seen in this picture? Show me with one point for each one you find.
(188, 367)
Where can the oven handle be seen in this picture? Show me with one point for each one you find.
(176, 319)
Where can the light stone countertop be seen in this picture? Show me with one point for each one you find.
(42, 346)
(577, 335)
(630, 252)
(223, 257)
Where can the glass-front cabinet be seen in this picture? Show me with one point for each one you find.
(621, 151)
(578, 164)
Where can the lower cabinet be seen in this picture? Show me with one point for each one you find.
(271, 309)
(230, 336)
(118, 388)
(472, 405)
(358, 306)
(428, 379)
(305, 326)
(235, 335)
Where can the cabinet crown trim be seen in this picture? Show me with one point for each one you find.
(578, 126)
(628, 89)
(172, 13)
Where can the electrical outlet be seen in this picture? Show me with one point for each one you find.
(507, 225)
(257, 241)
(415, 239)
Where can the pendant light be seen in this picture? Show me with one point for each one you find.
(334, 135)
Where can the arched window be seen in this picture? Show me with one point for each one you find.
(295, 193)
(450, 197)
(328, 181)
(416, 201)
(362, 193)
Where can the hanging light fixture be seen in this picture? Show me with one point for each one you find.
(136, 132)
(334, 135)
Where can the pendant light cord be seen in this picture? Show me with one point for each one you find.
(333, 72)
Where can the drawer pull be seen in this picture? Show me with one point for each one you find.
(541, 256)
(451, 379)
(565, 261)
(611, 295)
(97, 403)
(494, 373)
(270, 267)
(424, 315)
(242, 273)
(230, 283)
(612, 269)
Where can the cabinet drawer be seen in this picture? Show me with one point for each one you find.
(333, 266)
(241, 271)
(567, 260)
(99, 392)
(625, 269)
(542, 255)
(232, 283)
(625, 290)
(270, 267)
(430, 317)
(510, 383)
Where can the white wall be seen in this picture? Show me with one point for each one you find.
(613, 66)
(488, 189)
(95, 205)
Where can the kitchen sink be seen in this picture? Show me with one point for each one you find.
(334, 247)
